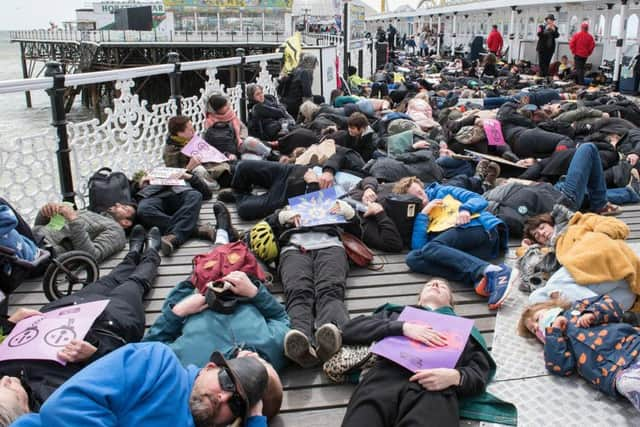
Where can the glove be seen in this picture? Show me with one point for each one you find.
(345, 209)
(286, 215)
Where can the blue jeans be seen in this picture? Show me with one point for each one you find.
(452, 167)
(561, 281)
(456, 254)
(585, 177)
(622, 196)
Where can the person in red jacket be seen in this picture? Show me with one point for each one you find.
(494, 41)
(581, 45)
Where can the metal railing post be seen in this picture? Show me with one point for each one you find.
(59, 121)
(175, 80)
(243, 85)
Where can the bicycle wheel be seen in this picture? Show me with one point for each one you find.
(68, 273)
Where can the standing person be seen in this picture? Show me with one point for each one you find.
(581, 45)
(546, 47)
(494, 41)
(392, 36)
(298, 85)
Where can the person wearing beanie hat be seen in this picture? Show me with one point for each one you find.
(145, 385)
(582, 45)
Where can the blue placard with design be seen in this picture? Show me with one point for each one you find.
(314, 208)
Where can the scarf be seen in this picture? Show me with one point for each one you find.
(178, 140)
(229, 116)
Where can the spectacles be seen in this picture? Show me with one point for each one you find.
(236, 402)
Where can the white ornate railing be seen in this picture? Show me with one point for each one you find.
(105, 36)
(130, 139)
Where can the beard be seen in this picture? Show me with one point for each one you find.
(203, 409)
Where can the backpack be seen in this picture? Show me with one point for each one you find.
(222, 137)
(402, 209)
(106, 188)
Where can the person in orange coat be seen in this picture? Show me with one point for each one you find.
(581, 45)
(494, 41)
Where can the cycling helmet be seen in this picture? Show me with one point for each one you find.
(262, 242)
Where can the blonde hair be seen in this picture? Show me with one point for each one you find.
(308, 109)
(8, 414)
(452, 301)
(402, 186)
(529, 311)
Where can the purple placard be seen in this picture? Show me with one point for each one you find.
(493, 130)
(416, 356)
(42, 337)
(205, 152)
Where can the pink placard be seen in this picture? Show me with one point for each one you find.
(42, 337)
(416, 356)
(493, 130)
(205, 152)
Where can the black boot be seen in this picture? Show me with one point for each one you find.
(136, 239)
(223, 220)
(154, 239)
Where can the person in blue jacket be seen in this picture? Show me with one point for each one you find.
(193, 330)
(454, 236)
(145, 385)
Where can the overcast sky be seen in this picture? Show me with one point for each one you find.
(28, 14)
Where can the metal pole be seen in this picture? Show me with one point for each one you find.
(243, 85)
(59, 121)
(346, 40)
(453, 35)
(263, 26)
(25, 74)
(438, 35)
(175, 80)
(217, 26)
(619, 43)
(512, 33)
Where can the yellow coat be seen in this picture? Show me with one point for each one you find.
(593, 249)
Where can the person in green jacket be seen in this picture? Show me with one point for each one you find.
(193, 330)
(390, 395)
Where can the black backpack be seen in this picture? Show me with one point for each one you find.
(402, 209)
(222, 137)
(106, 188)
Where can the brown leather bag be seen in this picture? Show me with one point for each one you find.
(358, 252)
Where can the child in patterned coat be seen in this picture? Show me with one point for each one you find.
(589, 337)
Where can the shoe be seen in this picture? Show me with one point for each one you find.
(609, 210)
(489, 171)
(499, 285)
(328, 341)
(136, 239)
(298, 349)
(226, 196)
(205, 232)
(223, 221)
(482, 287)
(168, 244)
(154, 239)
(634, 181)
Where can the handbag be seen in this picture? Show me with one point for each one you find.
(358, 252)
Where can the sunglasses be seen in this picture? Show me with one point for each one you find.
(236, 402)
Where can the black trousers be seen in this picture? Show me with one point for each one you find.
(544, 59)
(173, 213)
(314, 285)
(386, 398)
(580, 67)
(270, 175)
(125, 286)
